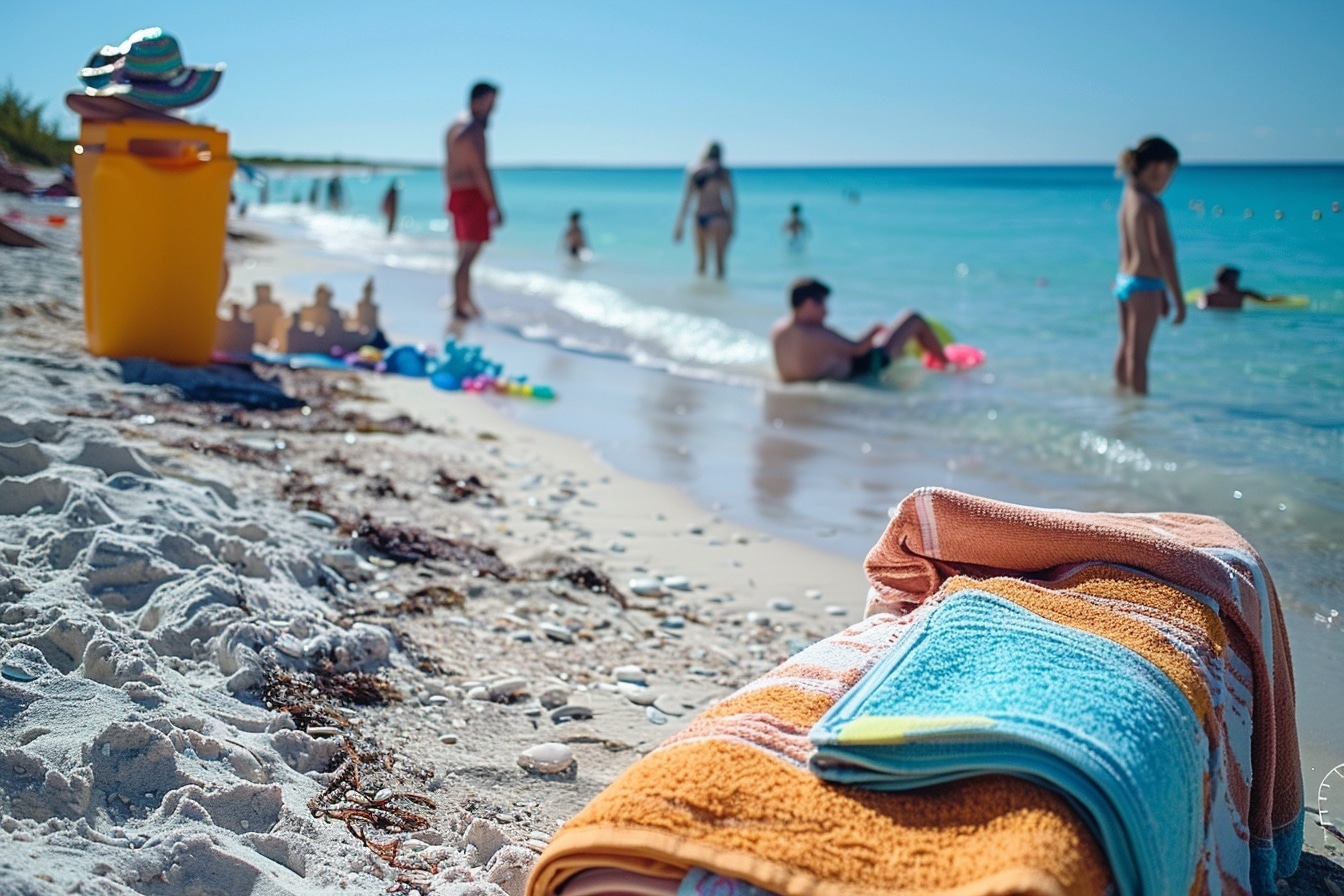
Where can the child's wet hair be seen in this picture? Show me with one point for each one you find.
(1150, 150)
(1227, 275)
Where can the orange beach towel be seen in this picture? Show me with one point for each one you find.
(732, 794)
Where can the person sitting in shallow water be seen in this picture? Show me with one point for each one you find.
(808, 350)
(1227, 294)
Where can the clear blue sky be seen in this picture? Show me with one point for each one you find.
(778, 81)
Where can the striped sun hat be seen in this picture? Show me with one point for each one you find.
(146, 69)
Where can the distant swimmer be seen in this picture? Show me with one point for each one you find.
(573, 239)
(1148, 281)
(711, 186)
(808, 350)
(471, 191)
(1227, 293)
(335, 193)
(390, 201)
(795, 228)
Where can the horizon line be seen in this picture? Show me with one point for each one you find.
(800, 166)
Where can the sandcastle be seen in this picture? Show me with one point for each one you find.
(317, 328)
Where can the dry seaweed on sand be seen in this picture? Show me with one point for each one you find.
(379, 819)
(346, 465)
(455, 488)
(423, 601)
(410, 544)
(239, 452)
(594, 581)
(310, 698)
(382, 486)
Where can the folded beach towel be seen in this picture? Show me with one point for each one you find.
(1254, 815)
(731, 794)
(983, 686)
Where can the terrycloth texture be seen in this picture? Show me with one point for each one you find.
(982, 685)
(1254, 827)
(732, 794)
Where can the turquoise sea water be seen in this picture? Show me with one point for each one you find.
(668, 374)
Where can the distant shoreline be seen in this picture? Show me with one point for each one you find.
(363, 164)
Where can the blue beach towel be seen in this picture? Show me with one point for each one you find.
(984, 686)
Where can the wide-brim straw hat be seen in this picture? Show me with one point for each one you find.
(147, 69)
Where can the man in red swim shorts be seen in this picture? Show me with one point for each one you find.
(471, 192)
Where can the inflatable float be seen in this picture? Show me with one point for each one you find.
(962, 356)
(1192, 297)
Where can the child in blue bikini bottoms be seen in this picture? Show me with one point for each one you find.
(1148, 278)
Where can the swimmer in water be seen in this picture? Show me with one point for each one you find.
(573, 239)
(1227, 294)
(795, 228)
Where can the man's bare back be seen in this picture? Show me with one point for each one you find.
(805, 351)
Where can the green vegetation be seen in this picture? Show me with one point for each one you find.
(25, 137)
(332, 162)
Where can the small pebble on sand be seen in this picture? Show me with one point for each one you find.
(632, 674)
(638, 694)
(571, 712)
(508, 688)
(556, 632)
(553, 697)
(14, 673)
(320, 520)
(546, 759)
(780, 604)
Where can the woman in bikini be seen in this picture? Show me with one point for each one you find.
(1148, 284)
(716, 207)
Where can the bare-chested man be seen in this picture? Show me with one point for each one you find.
(807, 349)
(471, 191)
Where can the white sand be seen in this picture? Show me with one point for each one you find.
(148, 580)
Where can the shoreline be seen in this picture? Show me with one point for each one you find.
(797, 463)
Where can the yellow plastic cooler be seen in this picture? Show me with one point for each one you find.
(154, 207)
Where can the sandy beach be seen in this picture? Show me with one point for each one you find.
(350, 635)
(270, 620)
